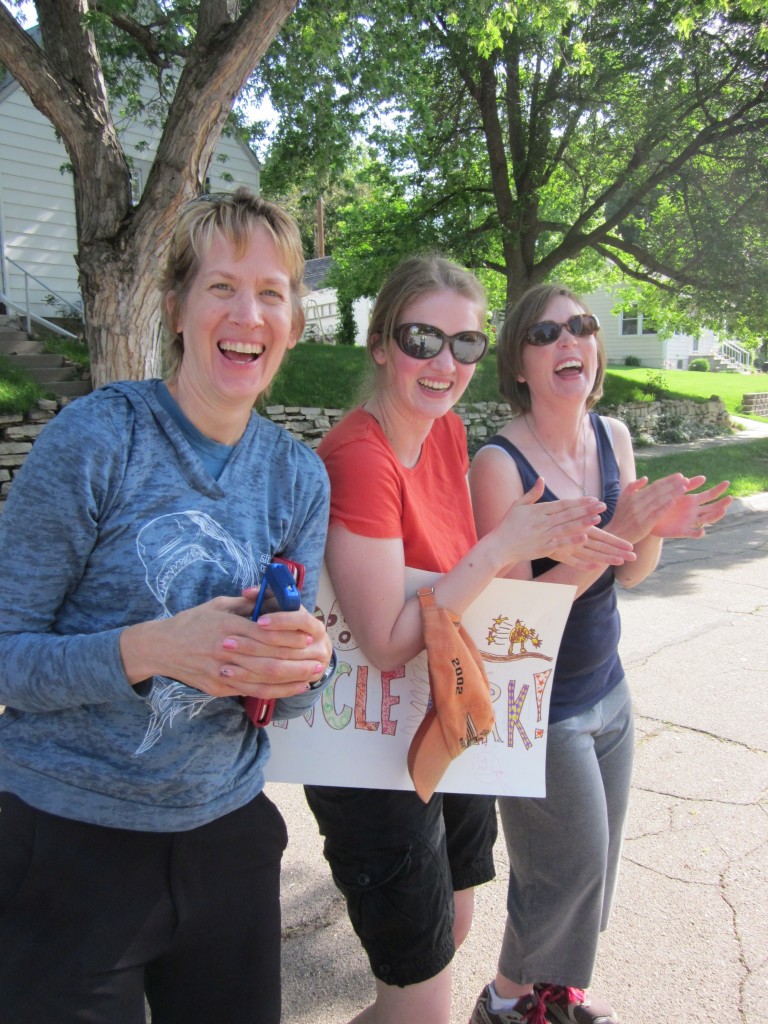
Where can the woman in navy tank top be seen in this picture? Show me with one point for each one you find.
(564, 849)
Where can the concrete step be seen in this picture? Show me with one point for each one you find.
(45, 368)
(49, 375)
(37, 360)
(721, 364)
(49, 370)
(71, 388)
(17, 342)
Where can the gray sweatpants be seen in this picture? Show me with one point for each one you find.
(564, 849)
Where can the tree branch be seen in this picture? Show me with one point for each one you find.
(218, 64)
(633, 272)
(141, 34)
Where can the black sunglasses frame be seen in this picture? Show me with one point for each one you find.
(581, 325)
(401, 333)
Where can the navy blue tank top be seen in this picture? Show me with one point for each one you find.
(588, 665)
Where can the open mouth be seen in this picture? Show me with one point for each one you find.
(436, 386)
(241, 351)
(569, 368)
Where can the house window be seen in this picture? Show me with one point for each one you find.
(630, 319)
(647, 326)
(633, 322)
(136, 186)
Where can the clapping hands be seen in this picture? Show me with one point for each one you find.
(565, 531)
(690, 514)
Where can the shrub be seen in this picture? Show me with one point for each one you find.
(347, 330)
(700, 365)
(311, 335)
(654, 385)
(632, 361)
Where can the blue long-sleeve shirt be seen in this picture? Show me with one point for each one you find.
(114, 520)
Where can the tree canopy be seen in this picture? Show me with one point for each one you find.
(569, 137)
(94, 53)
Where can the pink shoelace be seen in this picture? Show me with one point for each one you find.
(552, 994)
(537, 1013)
(556, 994)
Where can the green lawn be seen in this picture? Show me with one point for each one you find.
(730, 387)
(18, 392)
(745, 464)
(331, 377)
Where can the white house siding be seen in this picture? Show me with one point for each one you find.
(680, 349)
(673, 353)
(322, 316)
(362, 310)
(233, 164)
(648, 348)
(37, 212)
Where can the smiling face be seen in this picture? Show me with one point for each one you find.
(237, 323)
(566, 369)
(425, 389)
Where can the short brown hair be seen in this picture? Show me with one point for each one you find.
(511, 341)
(234, 217)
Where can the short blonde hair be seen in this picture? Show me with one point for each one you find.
(512, 339)
(234, 217)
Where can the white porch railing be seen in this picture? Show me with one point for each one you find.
(736, 353)
(25, 310)
(324, 323)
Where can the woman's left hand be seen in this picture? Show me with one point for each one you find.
(598, 550)
(286, 636)
(691, 514)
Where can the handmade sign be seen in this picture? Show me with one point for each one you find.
(359, 732)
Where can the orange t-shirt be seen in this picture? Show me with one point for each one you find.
(374, 495)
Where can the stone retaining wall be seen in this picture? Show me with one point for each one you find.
(755, 404)
(18, 432)
(666, 422)
(673, 421)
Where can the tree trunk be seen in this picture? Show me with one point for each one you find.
(119, 245)
(520, 276)
(122, 314)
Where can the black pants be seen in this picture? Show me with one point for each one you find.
(93, 918)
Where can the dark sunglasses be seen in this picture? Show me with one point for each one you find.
(422, 341)
(580, 326)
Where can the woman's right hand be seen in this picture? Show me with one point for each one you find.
(216, 648)
(642, 503)
(565, 530)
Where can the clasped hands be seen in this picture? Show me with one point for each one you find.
(216, 648)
